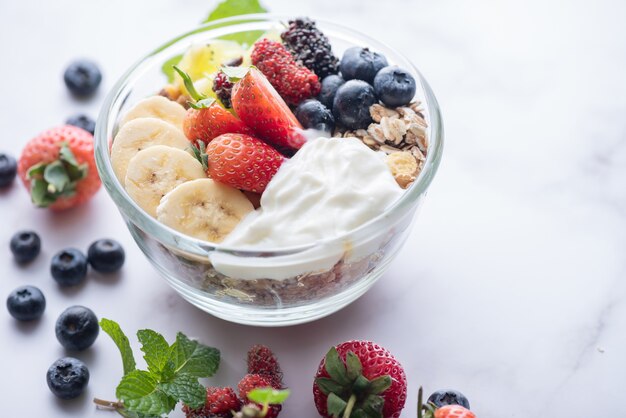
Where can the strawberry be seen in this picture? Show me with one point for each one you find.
(360, 378)
(254, 381)
(293, 81)
(260, 107)
(432, 410)
(206, 118)
(241, 161)
(219, 403)
(59, 169)
(261, 360)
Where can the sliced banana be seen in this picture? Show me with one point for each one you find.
(157, 170)
(139, 134)
(204, 209)
(157, 107)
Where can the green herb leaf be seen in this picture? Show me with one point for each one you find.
(192, 358)
(191, 89)
(229, 8)
(139, 392)
(168, 67)
(268, 396)
(335, 367)
(379, 385)
(327, 386)
(235, 73)
(355, 369)
(56, 176)
(335, 405)
(187, 389)
(117, 335)
(156, 350)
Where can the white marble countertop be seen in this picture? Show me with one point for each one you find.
(511, 287)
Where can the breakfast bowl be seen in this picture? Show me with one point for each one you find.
(273, 286)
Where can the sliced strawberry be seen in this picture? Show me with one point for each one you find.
(207, 123)
(258, 105)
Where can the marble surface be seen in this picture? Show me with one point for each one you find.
(511, 287)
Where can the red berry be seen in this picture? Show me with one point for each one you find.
(44, 150)
(376, 362)
(242, 161)
(454, 411)
(223, 87)
(254, 381)
(294, 82)
(261, 360)
(219, 403)
(259, 106)
(207, 123)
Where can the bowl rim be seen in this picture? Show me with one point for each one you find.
(133, 213)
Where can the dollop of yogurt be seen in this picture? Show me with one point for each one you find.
(330, 187)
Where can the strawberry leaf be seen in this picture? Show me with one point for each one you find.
(355, 369)
(335, 367)
(235, 74)
(36, 171)
(379, 385)
(202, 104)
(268, 396)
(56, 177)
(328, 386)
(335, 405)
(117, 335)
(39, 193)
(191, 89)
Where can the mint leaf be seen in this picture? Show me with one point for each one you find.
(229, 8)
(156, 350)
(192, 358)
(268, 396)
(139, 392)
(187, 389)
(117, 335)
(168, 67)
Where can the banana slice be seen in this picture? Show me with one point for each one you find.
(139, 134)
(155, 171)
(204, 209)
(157, 107)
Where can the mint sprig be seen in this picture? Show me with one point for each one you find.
(172, 375)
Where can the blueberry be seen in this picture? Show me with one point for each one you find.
(106, 256)
(25, 246)
(67, 378)
(361, 63)
(314, 115)
(82, 121)
(26, 303)
(69, 267)
(8, 170)
(82, 78)
(449, 397)
(394, 86)
(330, 85)
(351, 106)
(77, 328)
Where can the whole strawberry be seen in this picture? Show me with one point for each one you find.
(259, 106)
(219, 403)
(294, 82)
(257, 381)
(261, 360)
(59, 169)
(360, 378)
(242, 161)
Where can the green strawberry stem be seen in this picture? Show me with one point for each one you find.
(350, 406)
(200, 100)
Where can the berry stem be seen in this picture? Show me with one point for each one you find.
(350, 406)
(108, 404)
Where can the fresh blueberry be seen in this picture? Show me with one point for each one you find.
(449, 397)
(77, 328)
(314, 115)
(26, 303)
(25, 246)
(8, 170)
(106, 256)
(82, 78)
(351, 106)
(330, 85)
(82, 121)
(394, 86)
(67, 378)
(69, 267)
(361, 63)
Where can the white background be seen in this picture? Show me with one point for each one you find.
(511, 287)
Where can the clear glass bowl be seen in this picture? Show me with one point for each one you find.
(323, 276)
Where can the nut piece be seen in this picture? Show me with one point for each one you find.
(404, 167)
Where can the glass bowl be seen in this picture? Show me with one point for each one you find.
(279, 286)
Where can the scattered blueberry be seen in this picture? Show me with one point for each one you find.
(25, 246)
(26, 303)
(69, 267)
(8, 170)
(82, 78)
(106, 256)
(82, 121)
(330, 85)
(351, 106)
(314, 115)
(77, 328)
(449, 397)
(67, 378)
(361, 63)
(394, 86)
